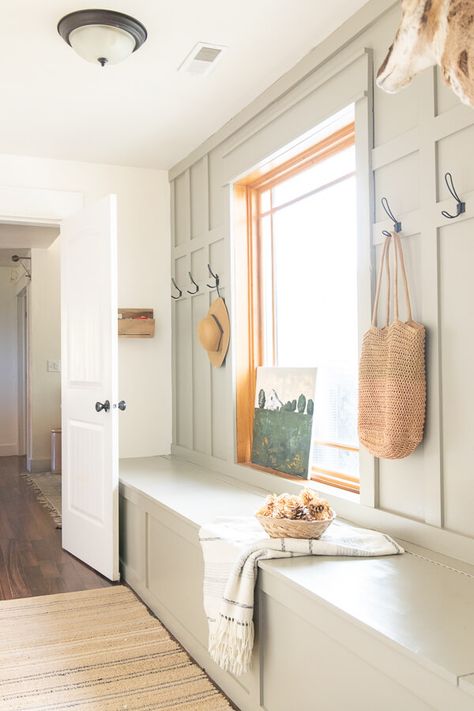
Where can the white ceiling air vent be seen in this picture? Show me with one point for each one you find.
(202, 58)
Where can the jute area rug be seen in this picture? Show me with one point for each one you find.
(95, 650)
(47, 487)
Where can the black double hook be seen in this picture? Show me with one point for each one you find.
(460, 206)
(180, 293)
(193, 282)
(216, 278)
(397, 225)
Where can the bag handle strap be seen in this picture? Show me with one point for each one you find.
(384, 261)
(399, 257)
(399, 263)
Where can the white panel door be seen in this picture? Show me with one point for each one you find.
(89, 381)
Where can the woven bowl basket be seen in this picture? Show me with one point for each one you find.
(290, 528)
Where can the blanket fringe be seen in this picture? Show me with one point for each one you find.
(231, 645)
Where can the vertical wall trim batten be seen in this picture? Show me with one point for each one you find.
(432, 464)
(191, 201)
(364, 123)
(190, 311)
(201, 378)
(211, 383)
(207, 183)
(173, 215)
(174, 334)
(229, 299)
(211, 394)
(192, 303)
(189, 212)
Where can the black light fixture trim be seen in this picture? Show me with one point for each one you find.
(81, 18)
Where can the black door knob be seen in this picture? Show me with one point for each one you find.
(122, 405)
(105, 406)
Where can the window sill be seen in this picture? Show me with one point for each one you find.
(300, 482)
(334, 491)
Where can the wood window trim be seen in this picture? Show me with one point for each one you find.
(249, 334)
(248, 312)
(334, 143)
(334, 478)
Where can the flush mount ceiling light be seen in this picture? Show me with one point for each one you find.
(102, 36)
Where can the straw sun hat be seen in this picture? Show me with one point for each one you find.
(214, 332)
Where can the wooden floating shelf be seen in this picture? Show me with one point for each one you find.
(136, 323)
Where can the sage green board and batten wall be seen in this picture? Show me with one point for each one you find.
(418, 135)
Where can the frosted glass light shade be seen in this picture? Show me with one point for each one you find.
(102, 36)
(96, 43)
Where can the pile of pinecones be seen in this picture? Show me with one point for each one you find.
(306, 506)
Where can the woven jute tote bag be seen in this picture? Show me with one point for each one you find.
(392, 381)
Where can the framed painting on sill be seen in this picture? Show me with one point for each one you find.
(283, 419)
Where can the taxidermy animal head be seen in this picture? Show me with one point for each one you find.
(433, 32)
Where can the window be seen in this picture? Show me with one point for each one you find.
(302, 306)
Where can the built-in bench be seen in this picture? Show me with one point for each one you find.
(370, 634)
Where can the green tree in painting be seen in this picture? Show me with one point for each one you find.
(301, 404)
(310, 408)
(261, 399)
(293, 406)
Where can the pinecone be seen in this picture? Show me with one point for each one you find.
(307, 496)
(268, 507)
(286, 506)
(319, 511)
(307, 506)
(300, 513)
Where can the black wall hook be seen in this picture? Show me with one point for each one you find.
(461, 206)
(216, 277)
(180, 293)
(193, 282)
(397, 225)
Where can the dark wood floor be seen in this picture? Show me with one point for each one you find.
(32, 561)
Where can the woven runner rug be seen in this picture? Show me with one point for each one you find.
(47, 487)
(95, 650)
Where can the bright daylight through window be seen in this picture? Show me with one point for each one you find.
(307, 298)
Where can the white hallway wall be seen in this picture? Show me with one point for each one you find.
(45, 344)
(8, 365)
(144, 273)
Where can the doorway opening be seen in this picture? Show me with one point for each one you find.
(32, 559)
(13, 366)
(30, 335)
(22, 360)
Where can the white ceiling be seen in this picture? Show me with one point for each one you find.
(144, 112)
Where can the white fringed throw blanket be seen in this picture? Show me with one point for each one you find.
(232, 548)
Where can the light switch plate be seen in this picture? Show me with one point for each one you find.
(54, 366)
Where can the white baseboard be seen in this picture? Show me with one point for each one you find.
(36, 466)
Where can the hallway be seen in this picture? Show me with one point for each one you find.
(32, 561)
